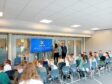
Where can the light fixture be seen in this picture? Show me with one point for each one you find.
(94, 29)
(75, 25)
(45, 21)
(1, 14)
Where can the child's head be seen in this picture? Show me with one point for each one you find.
(1, 67)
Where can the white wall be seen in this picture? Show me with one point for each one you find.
(101, 40)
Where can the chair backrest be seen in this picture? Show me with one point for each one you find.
(86, 65)
(43, 76)
(55, 74)
(73, 68)
(94, 65)
(107, 60)
(66, 70)
(61, 65)
(98, 61)
(17, 61)
(78, 62)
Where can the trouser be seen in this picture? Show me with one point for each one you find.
(56, 58)
(63, 55)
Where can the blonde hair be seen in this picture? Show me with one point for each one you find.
(30, 72)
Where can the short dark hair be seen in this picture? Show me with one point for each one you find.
(56, 45)
(1, 66)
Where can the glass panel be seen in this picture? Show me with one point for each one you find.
(70, 45)
(3, 50)
(78, 47)
(22, 48)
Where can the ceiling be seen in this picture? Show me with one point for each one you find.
(26, 15)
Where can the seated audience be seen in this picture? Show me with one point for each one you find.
(61, 64)
(7, 66)
(110, 53)
(46, 63)
(96, 55)
(18, 73)
(67, 61)
(30, 75)
(72, 59)
(92, 59)
(52, 65)
(107, 55)
(85, 55)
(40, 67)
(4, 79)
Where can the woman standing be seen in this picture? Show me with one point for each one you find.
(56, 53)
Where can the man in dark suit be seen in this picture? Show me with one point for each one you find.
(64, 50)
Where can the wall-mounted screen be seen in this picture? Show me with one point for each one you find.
(40, 45)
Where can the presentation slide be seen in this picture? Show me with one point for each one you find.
(40, 45)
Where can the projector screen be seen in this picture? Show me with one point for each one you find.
(40, 45)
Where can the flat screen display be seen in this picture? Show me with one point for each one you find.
(40, 45)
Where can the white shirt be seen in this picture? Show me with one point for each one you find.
(53, 66)
(7, 67)
(31, 81)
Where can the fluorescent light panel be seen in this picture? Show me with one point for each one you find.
(45, 21)
(1, 14)
(75, 25)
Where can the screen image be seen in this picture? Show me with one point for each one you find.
(40, 45)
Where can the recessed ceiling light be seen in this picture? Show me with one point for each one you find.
(45, 21)
(95, 29)
(1, 14)
(75, 25)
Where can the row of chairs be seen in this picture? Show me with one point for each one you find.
(57, 75)
(97, 67)
(73, 71)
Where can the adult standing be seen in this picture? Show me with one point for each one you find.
(56, 53)
(64, 50)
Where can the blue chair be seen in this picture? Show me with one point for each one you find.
(73, 68)
(74, 72)
(107, 61)
(17, 61)
(108, 64)
(61, 65)
(55, 76)
(94, 69)
(78, 62)
(44, 77)
(86, 67)
(66, 72)
(94, 66)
